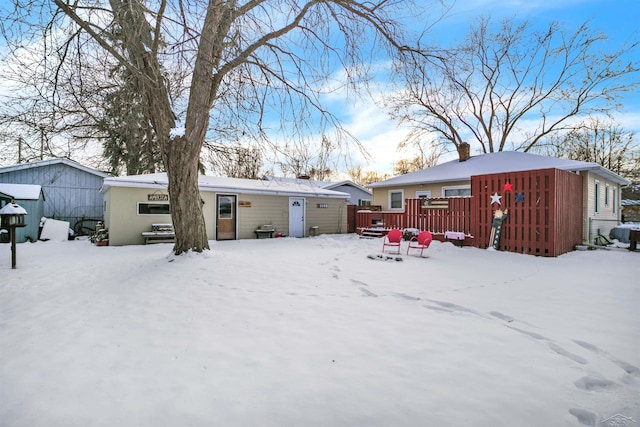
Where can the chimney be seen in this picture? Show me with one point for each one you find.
(463, 151)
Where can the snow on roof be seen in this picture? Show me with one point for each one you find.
(48, 162)
(13, 209)
(329, 185)
(21, 191)
(504, 161)
(224, 184)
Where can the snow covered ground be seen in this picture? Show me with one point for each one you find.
(310, 332)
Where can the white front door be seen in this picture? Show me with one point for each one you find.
(296, 217)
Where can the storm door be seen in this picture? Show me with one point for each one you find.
(296, 217)
(225, 217)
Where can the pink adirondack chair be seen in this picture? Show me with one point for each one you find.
(421, 242)
(392, 239)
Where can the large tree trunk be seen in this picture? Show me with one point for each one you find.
(186, 203)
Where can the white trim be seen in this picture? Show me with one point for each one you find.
(455, 187)
(596, 196)
(391, 208)
(423, 193)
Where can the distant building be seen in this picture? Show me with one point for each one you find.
(600, 190)
(71, 190)
(29, 197)
(359, 195)
(233, 208)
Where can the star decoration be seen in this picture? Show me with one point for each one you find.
(507, 187)
(519, 197)
(496, 199)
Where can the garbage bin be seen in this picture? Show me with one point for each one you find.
(4, 236)
(313, 231)
(634, 237)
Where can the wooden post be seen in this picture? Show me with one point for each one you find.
(12, 236)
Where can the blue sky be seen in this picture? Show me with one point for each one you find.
(619, 20)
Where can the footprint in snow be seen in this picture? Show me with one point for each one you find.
(368, 293)
(584, 417)
(627, 367)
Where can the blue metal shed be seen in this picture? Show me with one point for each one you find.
(31, 198)
(71, 190)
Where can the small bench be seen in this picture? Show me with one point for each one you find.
(265, 230)
(160, 233)
(455, 237)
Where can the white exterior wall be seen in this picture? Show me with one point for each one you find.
(125, 225)
(607, 215)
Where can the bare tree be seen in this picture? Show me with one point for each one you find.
(427, 154)
(235, 161)
(362, 177)
(600, 141)
(241, 57)
(308, 160)
(510, 87)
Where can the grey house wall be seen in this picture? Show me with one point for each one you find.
(357, 195)
(70, 193)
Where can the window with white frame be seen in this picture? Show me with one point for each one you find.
(456, 191)
(615, 199)
(596, 197)
(606, 195)
(396, 199)
(423, 194)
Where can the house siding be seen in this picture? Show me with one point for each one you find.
(380, 196)
(608, 214)
(125, 225)
(357, 195)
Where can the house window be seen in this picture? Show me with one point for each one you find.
(364, 202)
(423, 194)
(396, 199)
(597, 196)
(460, 191)
(615, 200)
(154, 209)
(606, 194)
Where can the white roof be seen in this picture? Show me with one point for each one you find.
(329, 185)
(21, 191)
(13, 209)
(223, 184)
(48, 162)
(504, 161)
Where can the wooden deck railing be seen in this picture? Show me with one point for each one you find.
(437, 215)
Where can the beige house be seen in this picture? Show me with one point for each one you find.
(233, 208)
(601, 188)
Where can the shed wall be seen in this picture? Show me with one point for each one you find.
(31, 231)
(70, 193)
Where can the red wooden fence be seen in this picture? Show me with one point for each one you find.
(544, 210)
(436, 215)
